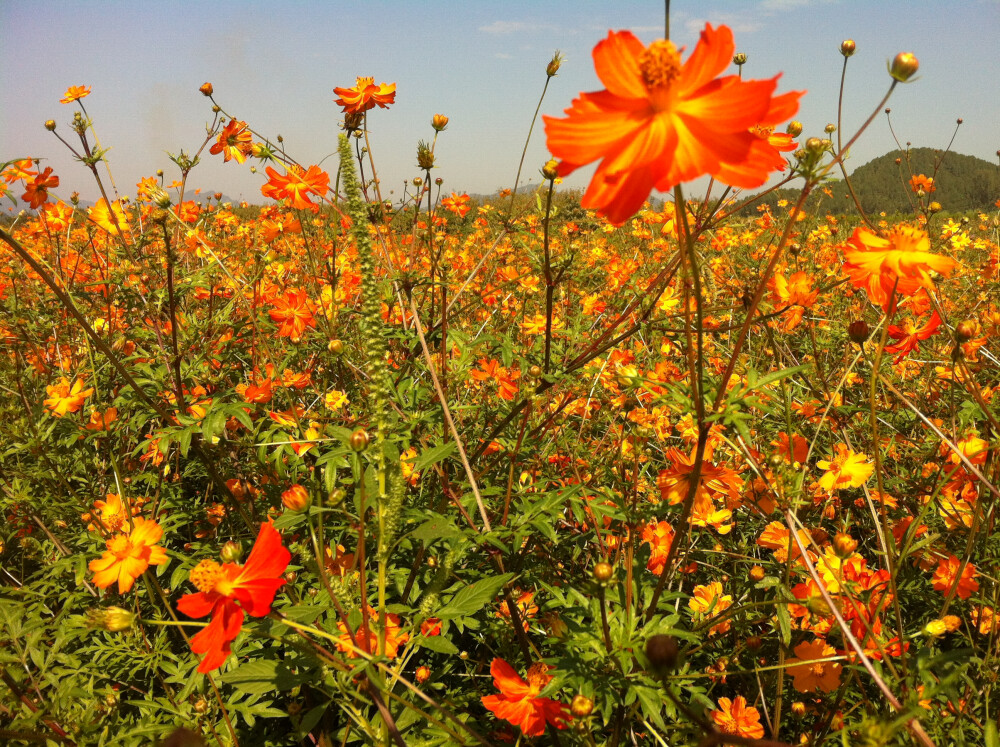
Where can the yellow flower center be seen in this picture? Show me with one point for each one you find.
(818, 670)
(206, 575)
(660, 64)
(120, 547)
(537, 677)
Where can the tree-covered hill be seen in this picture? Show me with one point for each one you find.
(962, 183)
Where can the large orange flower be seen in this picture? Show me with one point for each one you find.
(233, 142)
(37, 190)
(229, 591)
(660, 122)
(901, 260)
(64, 399)
(736, 717)
(294, 312)
(74, 93)
(365, 95)
(296, 186)
(810, 671)
(128, 557)
(519, 702)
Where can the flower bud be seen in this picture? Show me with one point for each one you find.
(830, 128)
(551, 169)
(201, 706)
(603, 572)
(757, 573)
(425, 156)
(662, 651)
(337, 496)
(206, 89)
(50, 125)
(581, 706)
(798, 709)
(966, 330)
(160, 198)
(423, 674)
(934, 207)
(794, 128)
(814, 145)
(417, 181)
(858, 331)
(847, 47)
(336, 347)
(844, 544)
(439, 122)
(231, 552)
(112, 619)
(903, 66)
(740, 59)
(554, 64)
(754, 643)
(359, 440)
(296, 498)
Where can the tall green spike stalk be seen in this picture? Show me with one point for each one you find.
(375, 348)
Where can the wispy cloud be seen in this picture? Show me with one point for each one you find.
(740, 24)
(503, 56)
(505, 27)
(778, 6)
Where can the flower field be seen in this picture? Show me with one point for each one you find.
(551, 467)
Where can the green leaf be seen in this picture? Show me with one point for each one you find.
(435, 529)
(434, 455)
(264, 676)
(437, 643)
(473, 598)
(784, 623)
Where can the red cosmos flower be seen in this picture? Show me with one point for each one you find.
(365, 95)
(909, 335)
(37, 190)
(229, 591)
(233, 142)
(296, 185)
(294, 311)
(519, 702)
(660, 122)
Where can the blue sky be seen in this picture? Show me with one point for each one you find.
(480, 63)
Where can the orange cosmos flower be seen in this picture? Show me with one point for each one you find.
(947, 572)
(64, 399)
(365, 95)
(659, 536)
(296, 186)
(109, 217)
(660, 122)
(847, 469)
(902, 260)
(128, 557)
(735, 717)
(922, 182)
(813, 673)
(233, 142)
(74, 93)
(294, 312)
(519, 702)
(909, 335)
(709, 601)
(526, 608)
(366, 637)
(457, 204)
(228, 592)
(37, 190)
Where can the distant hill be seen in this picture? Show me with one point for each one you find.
(963, 183)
